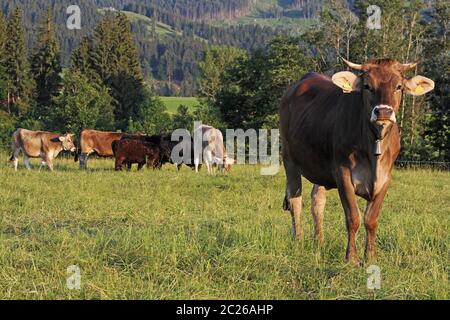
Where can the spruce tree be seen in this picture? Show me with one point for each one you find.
(17, 69)
(81, 56)
(46, 65)
(3, 78)
(115, 59)
(81, 61)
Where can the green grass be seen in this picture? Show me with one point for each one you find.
(172, 103)
(259, 16)
(167, 234)
(161, 28)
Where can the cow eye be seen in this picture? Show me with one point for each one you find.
(367, 87)
(399, 87)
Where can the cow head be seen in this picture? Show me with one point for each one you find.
(67, 142)
(228, 163)
(382, 84)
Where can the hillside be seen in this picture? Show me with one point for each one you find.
(172, 34)
(162, 29)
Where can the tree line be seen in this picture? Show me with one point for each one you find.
(169, 61)
(243, 90)
(104, 86)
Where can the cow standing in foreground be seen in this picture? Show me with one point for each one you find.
(130, 151)
(99, 142)
(214, 152)
(39, 144)
(342, 133)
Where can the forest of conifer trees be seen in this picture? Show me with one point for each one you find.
(108, 74)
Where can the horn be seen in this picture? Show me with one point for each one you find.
(353, 65)
(409, 66)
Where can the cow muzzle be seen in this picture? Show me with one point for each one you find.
(382, 114)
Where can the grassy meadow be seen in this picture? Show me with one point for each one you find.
(178, 235)
(172, 103)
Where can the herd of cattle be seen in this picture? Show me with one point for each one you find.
(338, 132)
(127, 149)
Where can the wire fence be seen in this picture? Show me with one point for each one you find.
(433, 165)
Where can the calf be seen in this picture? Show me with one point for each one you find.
(130, 151)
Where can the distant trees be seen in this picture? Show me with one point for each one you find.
(252, 86)
(437, 125)
(46, 66)
(115, 59)
(81, 105)
(103, 89)
(16, 67)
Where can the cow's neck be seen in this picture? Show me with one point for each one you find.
(57, 149)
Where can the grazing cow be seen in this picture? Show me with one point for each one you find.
(166, 145)
(130, 151)
(39, 144)
(214, 152)
(342, 133)
(163, 142)
(96, 141)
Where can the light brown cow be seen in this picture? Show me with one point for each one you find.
(39, 144)
(99, 142)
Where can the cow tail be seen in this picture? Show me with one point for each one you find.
(114, 146)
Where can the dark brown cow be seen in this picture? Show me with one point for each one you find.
(130, 151)
(342, 133)
(93, 141)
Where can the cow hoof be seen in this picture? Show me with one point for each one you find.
(353, 261)
(286, 205)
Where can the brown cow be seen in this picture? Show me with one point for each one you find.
(96, 141)
(130, 151)
(342, 133)
(39, 144)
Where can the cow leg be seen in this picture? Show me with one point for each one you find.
(293, 198)
(141, 165)
(371, 223)
(26, 161)
(16, 163)
(196, 163)
(83, 160)
(15, 158)
(43, 164)
(129, 166)
(318, 200)
(49, 164)
(209, 166)
(352, 216)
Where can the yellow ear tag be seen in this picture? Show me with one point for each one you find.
(347, 87)
(419, 89)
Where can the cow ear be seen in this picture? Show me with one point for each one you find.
(419, 85)
(62, 138)
(347, 81)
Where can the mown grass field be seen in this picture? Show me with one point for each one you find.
(172, 103)
(178, 235)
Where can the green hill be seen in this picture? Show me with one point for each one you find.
(161, 28)
(272, 13)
